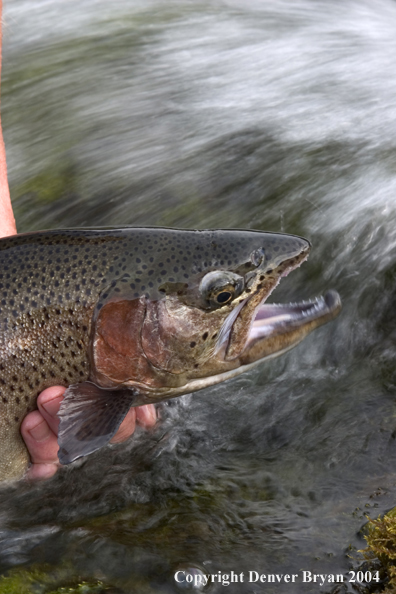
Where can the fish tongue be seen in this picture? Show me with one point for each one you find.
(89, 418)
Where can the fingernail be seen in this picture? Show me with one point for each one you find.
(52, 405)
(40, 432)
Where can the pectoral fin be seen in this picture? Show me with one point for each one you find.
(89, 418)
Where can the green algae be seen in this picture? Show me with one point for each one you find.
(21, 581)
(381, 546)
(43, 580)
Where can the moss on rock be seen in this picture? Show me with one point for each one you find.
(381, 545)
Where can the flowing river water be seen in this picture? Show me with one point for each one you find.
(276, 115)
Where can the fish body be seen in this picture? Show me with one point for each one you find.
(124, 317)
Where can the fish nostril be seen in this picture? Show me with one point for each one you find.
(257, 256)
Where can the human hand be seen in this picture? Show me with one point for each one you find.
(40, 431)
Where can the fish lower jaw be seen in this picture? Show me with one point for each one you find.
(204, 382)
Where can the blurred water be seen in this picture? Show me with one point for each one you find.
(276, 115)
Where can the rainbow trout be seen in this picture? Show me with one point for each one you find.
(131, 316)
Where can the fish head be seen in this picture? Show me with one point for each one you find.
(205, 319)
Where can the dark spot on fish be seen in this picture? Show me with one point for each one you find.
(192, 344)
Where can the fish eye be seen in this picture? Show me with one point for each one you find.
(219, 288)
(224, 297)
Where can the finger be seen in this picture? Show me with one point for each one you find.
(48, 404)
(40, 440)
(42, 445)
(146, 415)
(126, 428)
(39, 430)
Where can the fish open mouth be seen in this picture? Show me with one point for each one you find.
(277, 328)
(279, 318)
